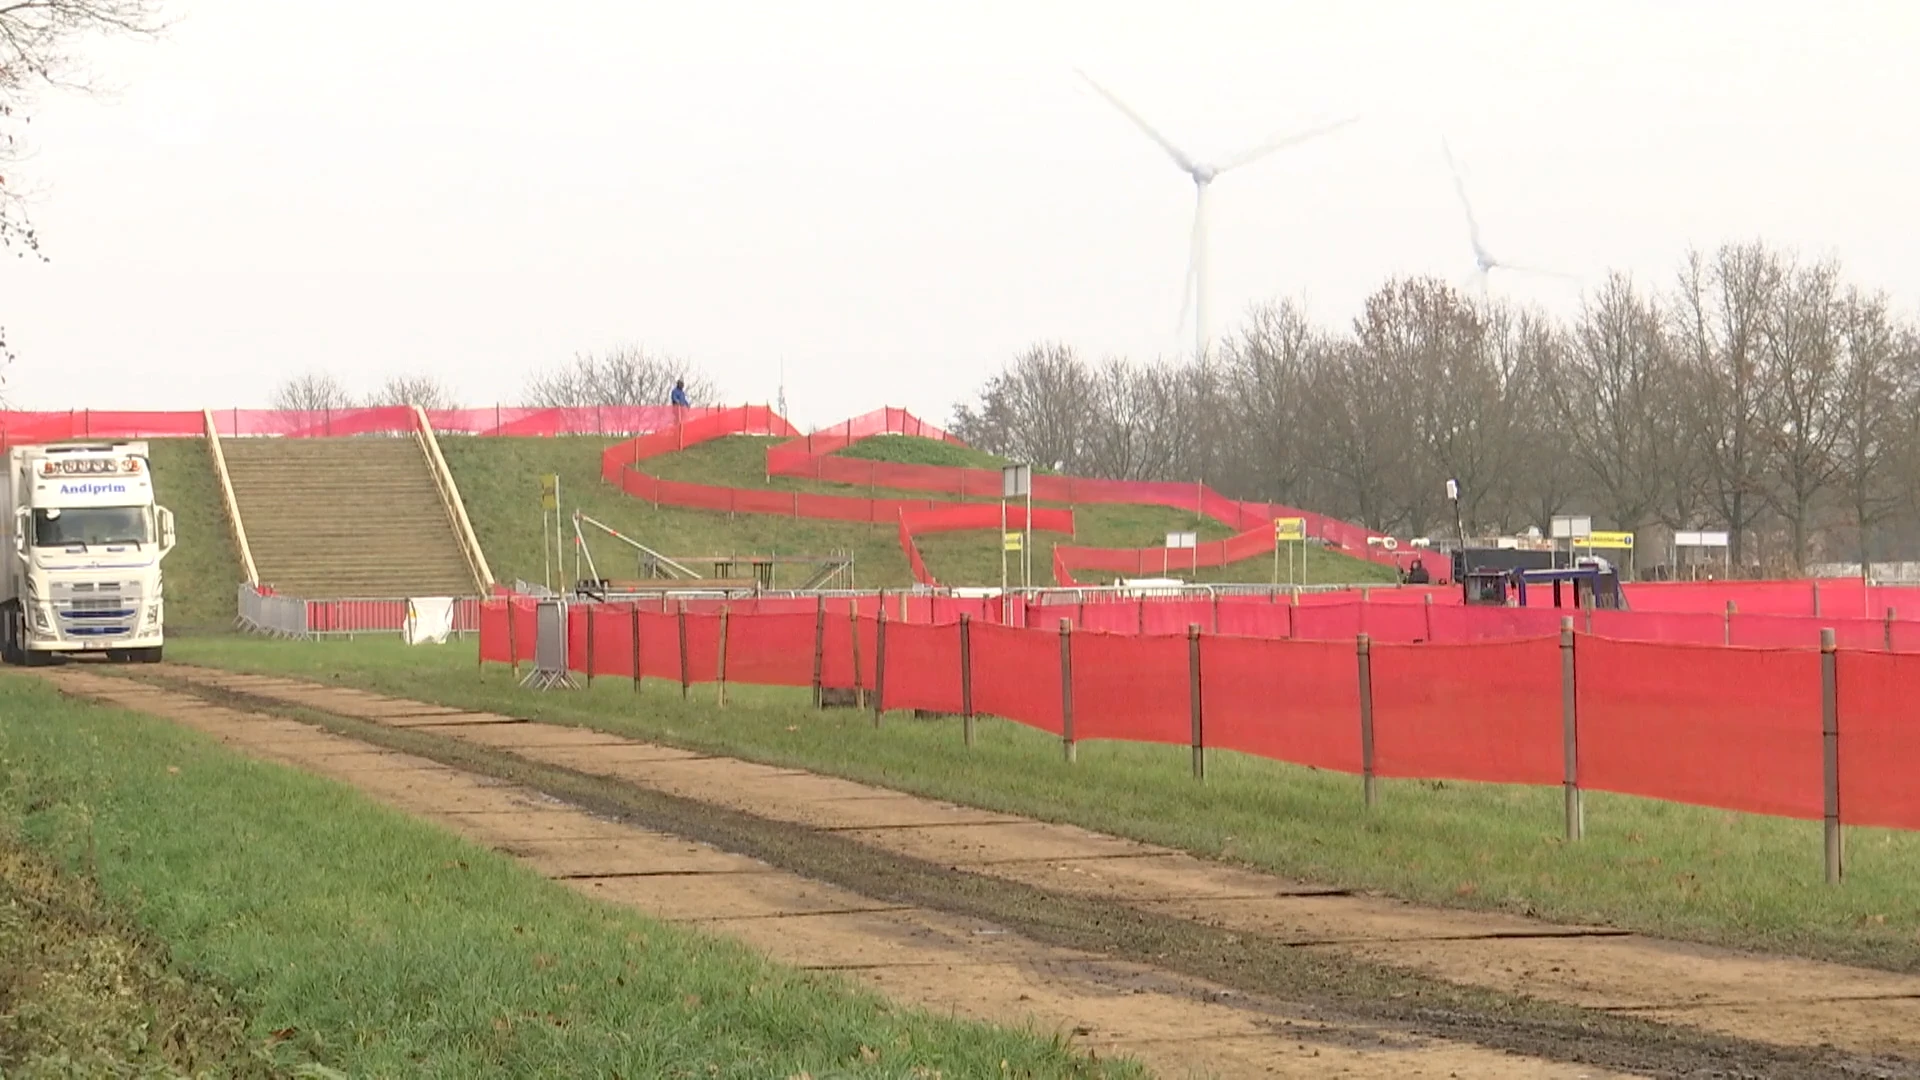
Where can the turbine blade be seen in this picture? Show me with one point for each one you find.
(1460, 189)
(1280, 140)
(1179, 156)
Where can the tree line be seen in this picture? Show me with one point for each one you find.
(1753, 392)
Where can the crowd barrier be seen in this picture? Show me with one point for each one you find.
(1752, 730)
(263, 611)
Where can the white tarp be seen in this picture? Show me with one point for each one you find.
(429, 620)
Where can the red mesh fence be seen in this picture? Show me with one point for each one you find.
(1679, 628)
(1487, 712)
(612, 643)
(1260, 620)
(1291, 701)
(20, 428)
(659, 645)
(847, 660)
(1016, 675)
(495, 635)
(1879, 739)
(771, 650)
(1174, 617)
(1133, 688)
(1733, 728)
(923, 667)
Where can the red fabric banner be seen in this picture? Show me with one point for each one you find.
(1879, 739)
(1486, 712)
(1291, 701)
(923, 667)
(1016, 675)
(1733, 728)
(1131, 687)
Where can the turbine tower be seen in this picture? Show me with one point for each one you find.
(1203, 175)
(1483, 261)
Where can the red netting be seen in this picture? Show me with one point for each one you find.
(1175, 616)
(1133, 688)
(1257, 619)
(1879, 739)
(1732, 728)
(1287, 700)
(1464, 624)
(1680, 628)
(848, 658)
(612, 641)
(495, 644)
(923, 667)
(1016, 675)
(659, 645)
(771, 650)
(1487, 712)
(1327, 622)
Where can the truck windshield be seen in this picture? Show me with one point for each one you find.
(91, 526)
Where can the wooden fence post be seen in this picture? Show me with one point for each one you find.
(1193, 693)
(636, 646)
(1428, 606)
(513, 642)
(1889, 634)
(819, 647)
(1816, 598)
(1067, 744)
(1364, 648)
(1830, 753)
(859, 682)
(1727, 633)
(880, 665)
(590, 656)
(966, 678)
(721, 674)
(1570, 740)
(686, 672)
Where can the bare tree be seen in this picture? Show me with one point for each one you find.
(37, 42)
(425, 391)
(1268, 366)
(315, 391)
(1538, 477)
(1037, 409)
(1612, 394)
(1875, 433)
(1428, 344)
(1720, 325)
(622, 375)
(1803, 358)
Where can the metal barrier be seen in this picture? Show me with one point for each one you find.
(265, 612)
(274, 616)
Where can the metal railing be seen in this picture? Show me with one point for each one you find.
(265, 612)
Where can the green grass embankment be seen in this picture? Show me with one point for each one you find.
(320, 927)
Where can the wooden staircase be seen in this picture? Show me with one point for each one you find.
(344, 518)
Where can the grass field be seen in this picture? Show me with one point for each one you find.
(255, 914)
(1661, 868)
(499, 480)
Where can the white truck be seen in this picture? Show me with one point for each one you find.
(83, 544)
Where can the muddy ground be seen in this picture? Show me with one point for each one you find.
(1195, 967)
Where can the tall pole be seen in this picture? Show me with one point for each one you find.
(1026, 545)
(1200, 310)
(1003, 545)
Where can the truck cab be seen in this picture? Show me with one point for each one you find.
(83, 544)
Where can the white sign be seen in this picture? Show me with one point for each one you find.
(1453, 491)
(1183, 540)
(1572, 528)
(1015, 480)
(429, 620)
(1699, 539)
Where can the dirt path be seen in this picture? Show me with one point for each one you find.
(1178, 1026)
(1778, 1000)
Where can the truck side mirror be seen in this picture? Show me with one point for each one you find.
(20, 532)
(165, 519)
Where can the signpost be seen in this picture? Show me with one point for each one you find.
(1613, 541)
(1705, 540)
(1288, 533)
(1017, 481)
(1180, 541)
(1570, 528)
(550, 504)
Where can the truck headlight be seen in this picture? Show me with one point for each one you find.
(153, 614)
(41, 619)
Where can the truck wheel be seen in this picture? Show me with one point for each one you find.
(10, 634)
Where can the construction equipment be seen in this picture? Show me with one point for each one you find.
(1590, 583)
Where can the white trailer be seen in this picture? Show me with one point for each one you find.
(82, 541)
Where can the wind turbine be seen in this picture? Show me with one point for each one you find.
(1483, 261)
(1204, 174)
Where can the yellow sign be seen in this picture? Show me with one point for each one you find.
(1012, 542)
(1289, 529)
(550, 492)
(1621, 541)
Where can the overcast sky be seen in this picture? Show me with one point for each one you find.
(894, 198)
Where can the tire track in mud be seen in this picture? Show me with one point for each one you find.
(889, 855)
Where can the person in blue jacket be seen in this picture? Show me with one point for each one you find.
(680, 394)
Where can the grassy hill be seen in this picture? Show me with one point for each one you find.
(204, 570)
(499, 479)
